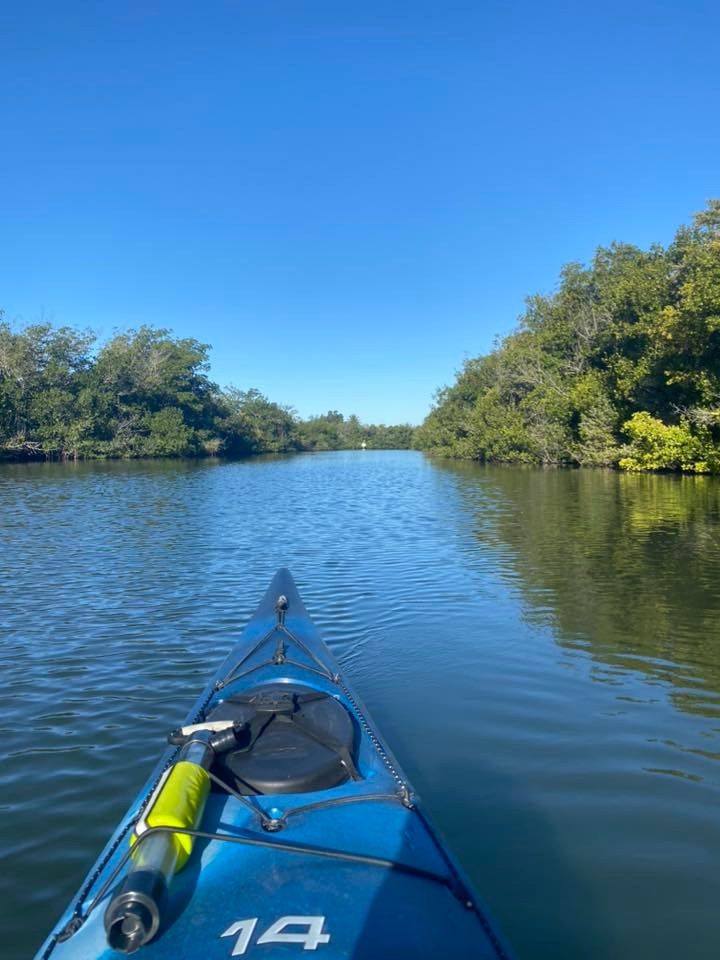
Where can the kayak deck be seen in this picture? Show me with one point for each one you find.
(350, 870)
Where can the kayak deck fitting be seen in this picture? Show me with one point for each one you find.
(276, 822)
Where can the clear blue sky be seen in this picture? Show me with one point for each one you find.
(343, 198)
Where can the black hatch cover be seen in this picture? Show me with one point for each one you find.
(295, 740)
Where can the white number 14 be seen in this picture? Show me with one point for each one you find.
(309, 938)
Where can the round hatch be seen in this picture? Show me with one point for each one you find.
(295, 739)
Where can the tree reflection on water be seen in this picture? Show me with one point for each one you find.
(625, 566)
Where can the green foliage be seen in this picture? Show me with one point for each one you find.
(146, 393)
(636, 332)
(42, 373)
(657, 446)
(168, 434)
(254, 424)
(497, 431)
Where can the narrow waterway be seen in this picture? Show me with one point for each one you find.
(540, 648)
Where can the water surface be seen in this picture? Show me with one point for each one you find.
(540, 648)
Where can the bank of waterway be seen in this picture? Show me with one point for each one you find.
(541, 649)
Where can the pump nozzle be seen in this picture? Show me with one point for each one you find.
(133, 916)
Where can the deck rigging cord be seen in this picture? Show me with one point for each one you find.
(279, 657)
(269, 824)
(285, 846)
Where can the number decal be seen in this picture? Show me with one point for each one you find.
(310, 938)
(246, 929)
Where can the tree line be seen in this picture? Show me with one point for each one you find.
(620, 366)
(146, 393)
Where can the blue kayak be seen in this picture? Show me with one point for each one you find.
(276, 822)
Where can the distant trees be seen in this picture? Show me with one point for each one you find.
(145, 393)
(390, 437)
(332, 431)
(621, 366)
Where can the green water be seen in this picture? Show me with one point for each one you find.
(541, 649)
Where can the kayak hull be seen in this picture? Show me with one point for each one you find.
(351, 871)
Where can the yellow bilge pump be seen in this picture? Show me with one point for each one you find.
(133, 915)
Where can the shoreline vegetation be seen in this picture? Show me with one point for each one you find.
(145, 393)
(620, 367)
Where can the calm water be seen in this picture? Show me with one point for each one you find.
(541, 649)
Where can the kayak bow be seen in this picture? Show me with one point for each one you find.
(276, 821)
